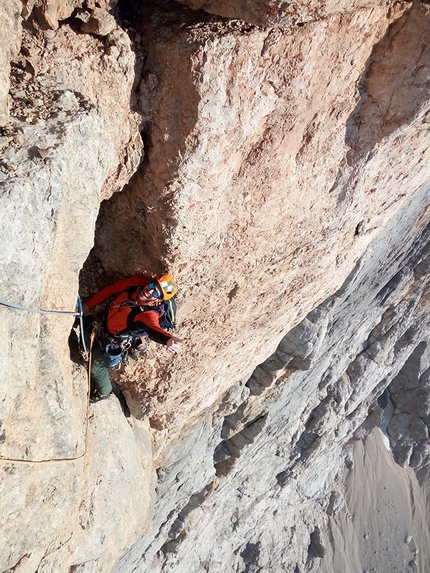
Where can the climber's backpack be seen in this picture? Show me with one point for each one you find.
(167, 320)
(167, 310)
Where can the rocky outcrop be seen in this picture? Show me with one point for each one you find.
(409, 426)
(278, 13)
(102, 70)
(284, 433)
(62, 147)
(49, 13)
(264, 170)
(53, 514)
(52, 172)
(285, 185)
(51, 180)
(10, 41)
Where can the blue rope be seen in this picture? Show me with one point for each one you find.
(81, 321)
(19, 307)
(61, 312)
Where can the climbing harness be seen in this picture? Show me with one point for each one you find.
(114, 346)
(89, 358)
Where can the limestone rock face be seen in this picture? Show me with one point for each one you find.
(10, 41)
(102, 70)
(99, 22)
(285, 185)
(281, 449)
(56, 476)
(42, 203)
(278, 13)
(53, 514)
(59, 148)
(410, 423)
(49, 13)
(259, 193)
(52, 173)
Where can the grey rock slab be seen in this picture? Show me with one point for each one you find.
(277, 489)
(49, 207)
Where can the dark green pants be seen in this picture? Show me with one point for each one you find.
(100, 378)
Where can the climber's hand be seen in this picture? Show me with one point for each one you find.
(174, 344)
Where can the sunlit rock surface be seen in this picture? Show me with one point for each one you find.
(10, 40)
(284, 182)
(264, 182)
(282, 443)
(278, 13)
(61, 465)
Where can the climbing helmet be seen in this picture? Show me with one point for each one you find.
(167, 285)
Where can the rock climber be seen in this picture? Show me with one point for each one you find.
(133, 315)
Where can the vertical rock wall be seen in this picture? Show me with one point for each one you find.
(285, 186)
(277, 13)
(264, 181)
(285, 433)
(410, 424)
(64, 143)
(51, 183)
(10, 41)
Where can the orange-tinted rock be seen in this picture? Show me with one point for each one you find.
(10, 42)
(49, 13)
(247, 196)
(102, 70)
(278, 12)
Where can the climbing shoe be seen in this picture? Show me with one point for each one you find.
(139, 346)
(95, 396)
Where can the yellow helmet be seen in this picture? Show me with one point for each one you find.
(167, 285)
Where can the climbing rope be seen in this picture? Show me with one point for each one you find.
(79, 313)
(65, 460)
(19, 307)
(81, 322)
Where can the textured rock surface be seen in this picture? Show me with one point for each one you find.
(279, 452)
(257, 192)
(53, 515)
(410, 423)
(50, 13)
(52, 173)
(285, 185)
(10, 40)
(102, 70)
(278, 13)
(59, 147)
(99, 22)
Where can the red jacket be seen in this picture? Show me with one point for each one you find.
(125, 314)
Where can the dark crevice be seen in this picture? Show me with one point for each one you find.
(177, 532)
(251, 556)
(316, 549)
(228, 450)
